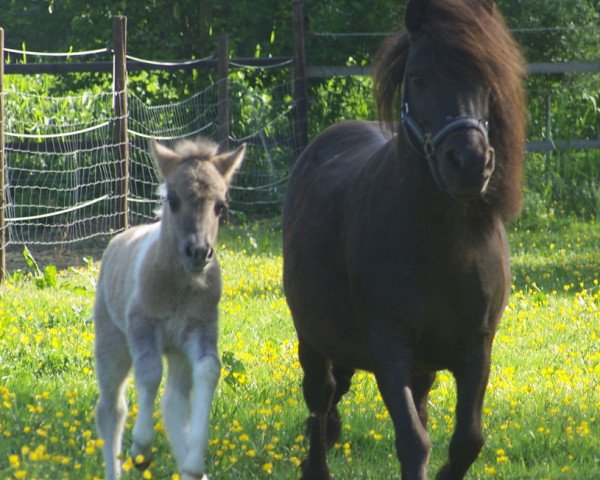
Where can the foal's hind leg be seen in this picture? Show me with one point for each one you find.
(112, 366)
(318, 387)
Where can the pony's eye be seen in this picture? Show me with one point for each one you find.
(417, 81)
(173, 201)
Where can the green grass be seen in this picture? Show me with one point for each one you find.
(541, 410)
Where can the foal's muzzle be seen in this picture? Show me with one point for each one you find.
(197, 255)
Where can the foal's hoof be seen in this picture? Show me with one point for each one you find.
(141, 466)
(141, 457)
(189, 476)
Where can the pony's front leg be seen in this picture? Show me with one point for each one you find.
(206, 371)
(147, 365)
(467, 440)
(393, 357)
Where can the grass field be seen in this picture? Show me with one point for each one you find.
(541, 410)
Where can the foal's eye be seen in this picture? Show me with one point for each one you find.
(219, 208)
(173, 201)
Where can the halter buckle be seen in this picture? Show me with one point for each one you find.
(428, 146)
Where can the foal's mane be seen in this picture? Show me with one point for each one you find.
(473, 40)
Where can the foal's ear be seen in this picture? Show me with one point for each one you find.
(228, 163)
(416, 12)
(166, 159)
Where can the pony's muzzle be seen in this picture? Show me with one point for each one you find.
(468, 165)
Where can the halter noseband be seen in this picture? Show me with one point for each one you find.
(425, 143)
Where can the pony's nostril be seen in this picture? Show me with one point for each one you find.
(210, 254)
(453, 158)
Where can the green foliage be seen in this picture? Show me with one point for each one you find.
(340, 98)
(44, 279)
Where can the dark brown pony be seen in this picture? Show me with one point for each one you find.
(395, 251)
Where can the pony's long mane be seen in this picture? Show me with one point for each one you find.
(474, 41)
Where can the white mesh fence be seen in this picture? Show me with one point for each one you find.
(61, 158)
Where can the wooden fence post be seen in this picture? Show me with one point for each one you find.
(223, 106)
(120, 135)
(2, 166)
(300, 90)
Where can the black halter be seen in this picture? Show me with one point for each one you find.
(425, 143)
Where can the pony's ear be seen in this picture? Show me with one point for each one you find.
(166, 159)
(229, 163)
(416, 12)
(489, 5)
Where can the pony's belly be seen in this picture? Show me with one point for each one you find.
(350, 351)
(434, 353)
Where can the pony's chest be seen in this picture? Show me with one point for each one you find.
(461, 305)
(450, 294)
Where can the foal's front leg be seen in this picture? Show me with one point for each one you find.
(147, 365)
(206, 370)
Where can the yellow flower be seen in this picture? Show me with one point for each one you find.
(14, 460)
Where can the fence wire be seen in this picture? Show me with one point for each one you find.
(61, 171)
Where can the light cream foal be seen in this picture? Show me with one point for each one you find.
(158, 293)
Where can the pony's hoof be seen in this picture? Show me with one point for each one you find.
(189, 476)
(314, 473)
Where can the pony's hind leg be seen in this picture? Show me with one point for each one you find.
(318, 387)
(112, 366)
(176, 404)
(421, 383)
(343, 378)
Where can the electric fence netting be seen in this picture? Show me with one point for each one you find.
(61, 157)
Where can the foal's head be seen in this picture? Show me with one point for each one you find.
(196, 178)
(454, 71)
